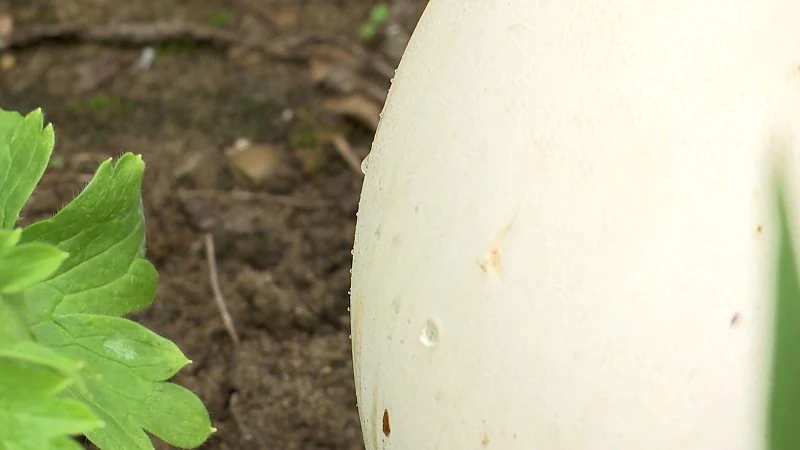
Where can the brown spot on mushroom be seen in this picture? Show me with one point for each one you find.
(491, 261)
(735, 319)
(387, 429)
(759, 228)
(485, 441)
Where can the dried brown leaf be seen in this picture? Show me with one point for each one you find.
(356, 107)
(256, 163)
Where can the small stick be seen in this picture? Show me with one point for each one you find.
(288, 49)
(218, 298)
(346, 152)
(151, 33)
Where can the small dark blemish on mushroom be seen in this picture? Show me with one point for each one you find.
(735, 319)
(386, 428)
(485, 441)
(759, 228)
(491, 261)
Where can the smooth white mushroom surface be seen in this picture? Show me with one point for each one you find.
(565, 236)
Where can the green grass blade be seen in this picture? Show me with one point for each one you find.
(784, 403)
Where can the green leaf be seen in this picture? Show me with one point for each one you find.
(33, 415)
(368, 31)
(32, 378)
(126, 364)
(25, 148)
(25, 265)
(60, 443)
(784, 406)
(380, 14)
(9, 239)
(12, 327)
(76, 312)
(113, 342)
(9, 120)
(103, 231)
(33, 353)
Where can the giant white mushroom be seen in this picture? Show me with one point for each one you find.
(565, 234)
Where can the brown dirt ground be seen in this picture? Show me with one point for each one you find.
(283, 254)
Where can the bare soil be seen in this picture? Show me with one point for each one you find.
(299, 90)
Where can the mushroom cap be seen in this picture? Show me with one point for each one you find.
(565, 236)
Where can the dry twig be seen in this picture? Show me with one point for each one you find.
(154, 33)
(290, 49)
(218, 298)
(346, 152)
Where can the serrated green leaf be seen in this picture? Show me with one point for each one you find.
(168, 411)
(9, 120)
(103, 231)
(25, 265)
(25, 148)
(113, 342)
(75, 312)
(784, 405)
(126, 366)
(31, 412)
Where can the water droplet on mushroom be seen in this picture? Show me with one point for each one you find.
(365, 165)
(430, 333)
